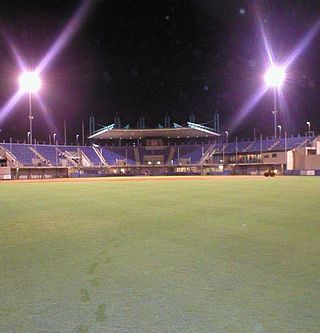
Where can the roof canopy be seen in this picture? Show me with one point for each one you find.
(191, 131)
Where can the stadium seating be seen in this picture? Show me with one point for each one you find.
(240, 146)
(25, 154)
(49, 153)
(21, 151)
(113, 154)
(192, 152)
(92, 155)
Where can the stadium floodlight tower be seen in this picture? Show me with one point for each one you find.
(30, 83)
(274, 78)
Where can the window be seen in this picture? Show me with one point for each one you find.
(274, 155)
(311, 152)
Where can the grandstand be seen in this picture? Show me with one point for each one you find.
(194, 149)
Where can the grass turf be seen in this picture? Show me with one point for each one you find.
(233, 255)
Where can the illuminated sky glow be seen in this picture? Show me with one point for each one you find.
(300, 47)
(47, 114)
(59, 44)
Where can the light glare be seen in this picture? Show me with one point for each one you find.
(275, 76)
(30, 82)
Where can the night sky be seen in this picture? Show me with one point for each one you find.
(157, 57)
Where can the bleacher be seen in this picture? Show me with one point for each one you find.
(21, 152)
(92, 155)
(124, 153)
(114, 154)
(193, 153)
(264, 145)
(241, 146)
(291, 143)
(49, 153)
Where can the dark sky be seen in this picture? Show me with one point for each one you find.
(158, 57)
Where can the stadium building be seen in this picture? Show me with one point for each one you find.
(190, 149)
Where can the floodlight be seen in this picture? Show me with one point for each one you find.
(309, 125)
(275, 76)
(30, 82)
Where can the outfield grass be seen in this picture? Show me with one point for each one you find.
(233, 255)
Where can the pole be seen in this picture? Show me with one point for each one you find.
(82, 133)
(236, 150)
(126, 156)
(275, 111)
(261, 149)
(285, 150)
(65, 132)
(223, 146)
(30, 119)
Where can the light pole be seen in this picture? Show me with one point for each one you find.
(28, 137)
(54, 139)
(309, 125)
(227, 136)
(274, 78)
(279, 126)
(77, 140)
(30, 83)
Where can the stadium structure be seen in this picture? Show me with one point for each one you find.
(178, 150)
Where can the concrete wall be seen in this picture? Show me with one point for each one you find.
(274, 157)
(299, 159)
(312, 162)
(304, 161)
(318, 147)
(290, 160)
(5, 173)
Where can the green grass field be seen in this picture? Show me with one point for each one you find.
(213, 255)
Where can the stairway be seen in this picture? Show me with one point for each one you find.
(207, 154)
(171, 155)
(11, 159)
(39, 156)
(274, 145)
(248, 147)
(99, 154)
(137, 156)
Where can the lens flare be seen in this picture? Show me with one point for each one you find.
(30, 82)
(275, 76)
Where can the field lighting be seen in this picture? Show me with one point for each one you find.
(279, 126)
(30, 83)
(308, 124)
(274, 78)
(227, 135)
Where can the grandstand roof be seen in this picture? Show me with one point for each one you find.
(191, 131)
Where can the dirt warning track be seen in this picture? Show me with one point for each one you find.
(129, 179)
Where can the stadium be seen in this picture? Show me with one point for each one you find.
(190, 150)
(180, 227)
